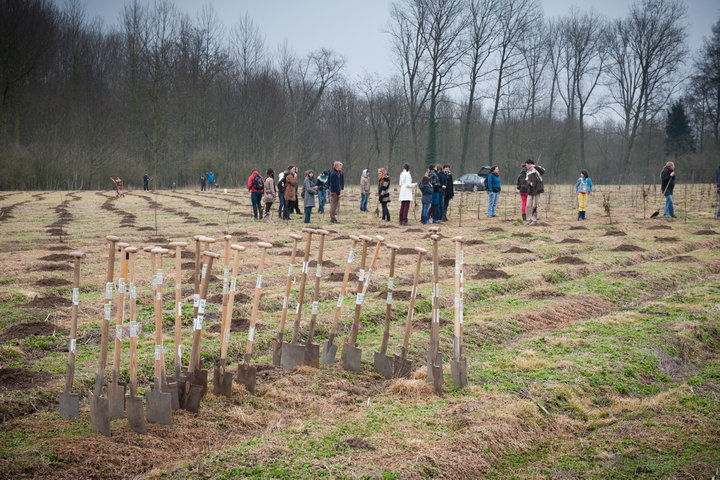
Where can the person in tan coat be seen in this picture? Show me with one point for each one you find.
(290, 191)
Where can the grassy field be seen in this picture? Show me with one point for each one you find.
(593, 347)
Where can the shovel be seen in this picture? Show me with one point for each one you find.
(458, 366)
(403, 366)
(351, 353)
(222, 378)
(434, 357)
(178, 246)
(116, 389)
(384, 363)
(196, 380)
(159, 399)
(198, 263)
(168, 382)
(99, 413)
(312, 349)
(70, 402)
(277, 348)
(293, 353)
(246, 374)
(135, 409)
(657, 212)
(329, 349)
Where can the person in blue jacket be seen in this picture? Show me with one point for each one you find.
(493, 190)
(426, 189)
(583, 188)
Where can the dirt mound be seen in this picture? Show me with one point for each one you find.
(406, 251)
(489, 273)
(411, 230)
(52, 267)
(239, 298)
(187, 254)
(615, 233)
(288, 253)
(522, 235)
(52, 282)
(338, 277)
(578, 227)
(570, 240)
(21, 379)
(705, 232)
(210, 224)
(681, 259)
(494, 229)
(354, 443)
(188, 266)
(569, 261)
(660, 227)
(48, 302)
(424, 323)
(145, 229)
(666, 239)
(628, 248)
(625, 274)
(517, 250)
(325, 263)
(545, 294)
(58, 248)
(447, 262)
(41, 329)
(474, 241)
(56, 232)
(57, 257)
(403, 295)
(236, 325)
(571, 309)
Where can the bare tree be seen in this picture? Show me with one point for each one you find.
(533, 48)
(248, 47)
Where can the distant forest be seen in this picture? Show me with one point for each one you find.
(478, 82)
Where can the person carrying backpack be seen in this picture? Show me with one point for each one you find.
(256, 185)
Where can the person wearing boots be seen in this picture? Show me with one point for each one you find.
(406, 193)
(308, 194)
(384, 192)
(256, 186)
(523, 190)
(449, 191)
(667, 185)
(321, 183)
(290, 191)
(493, 190)
(336, 185)
(364, 190)
(583, 188)
(270, 193)
(534, 180)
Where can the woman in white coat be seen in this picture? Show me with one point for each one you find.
(406, 193)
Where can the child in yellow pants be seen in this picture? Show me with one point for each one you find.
(583, 187)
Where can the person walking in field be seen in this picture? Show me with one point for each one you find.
(308, 194)
(523, 189)
(384, 192)
(449, 191)
(364, 190)
(427, 193)
(256, 186)
(667, 184)
(406, 193)
(534, 180)
(493, 190)
(583, 188)
(269, 192)
(290, 179)
(336, 184)
(717, 184)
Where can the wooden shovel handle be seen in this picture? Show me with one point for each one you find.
(316, 286)
(225, 328)
(197, 334)
(70, 375)
(303, 281)
(352, 338)
(343, 288)
(288, 282)
(133, 317)
(256, 300)
(388, 301)
(120, 313)
(458, 301)
(435, 320)
(105, 330)
(413, 296)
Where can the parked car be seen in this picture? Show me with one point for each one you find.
(471, 182)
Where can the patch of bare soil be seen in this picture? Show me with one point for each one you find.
(681, 259)
(407, 251)
(145, 229)
(57, 257)
(447, 262)
(288, 253)
(571, 309)
(52, 267)
(187, 254)
(666, 239)
(517, 250)
(325, 263)
(21, 379)
(494, 229)
(236, 325)
(210, 224)
(568, 261)
(413, 230)
(424, 323)
(41, 329)
(628, 248)
(474, 241)
(48, 302)
(354, 443)
(545, 294)
(239, 298)
(58, 248)
(403, 295)
(338, 277)
(489, 273)
(705, 232)
(52, 282)
(188, 266)
(56, 232)
(660, 227)
(578, 227)
(615, 233)
(570, 240)
(625, 274)
(522, 235)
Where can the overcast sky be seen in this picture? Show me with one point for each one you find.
(355, 28)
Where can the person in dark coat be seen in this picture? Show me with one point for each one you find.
(309, 192)
(427, 192)
(146, 182)
(534, 180)
(449, 191)
(437, 187)
(493, 190)
(668, 184)
(203, 182)
(384, 192)
(523, 189)
(717, 184)
(440, 212)
(336, 184)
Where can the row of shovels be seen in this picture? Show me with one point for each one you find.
(187, 385)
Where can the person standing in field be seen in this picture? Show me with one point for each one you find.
(534, 180)
(523, 189)
(290, 193)
(583, 188)
(256, 186)
(449, 191)
(146, 182)
(269, 192)
(440, 211)
(364, 190)
(384, 192)
(211, 179)
(437, 187)
(493, 190)
(667, 183)
(203, 182)
(321, 183)
(717, 184)
(308, 194)
(337, 185)
(406, 193)
(427, 192)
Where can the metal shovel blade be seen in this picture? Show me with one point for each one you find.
(384, 364)
(277, 350)
(433, 362)
(171, 387)
(69, 405)
(403, 367)
(116, 399)
(293, 355)
(159, 405)
(136, 414)
(458, 369)
(222, 382)
(312, 355)
(351, 357)
(99, 414)
(192, 396)
(329, 351)
(246, 375)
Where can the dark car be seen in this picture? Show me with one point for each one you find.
(471, 182)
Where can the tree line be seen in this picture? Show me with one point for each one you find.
(478, 82)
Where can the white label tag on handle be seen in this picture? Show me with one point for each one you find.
(359, 299)
(198, 323)
(134, 329)
(121, 285)
(160, 276)
(351, 255)
(196, 300)
(258, 282)
(119, 332)
(158, 295)
(462, 257)
(227, 335)
(233, 284)
(226, 274)
(285, 303)
(108, 311)
(291, 269)
(133, 292)
(340, 301)
(368, 277)
(437, 289)
(315, 307)
(391, 283)
(457, 301)
(251, 334)
(158, 351)
(361, 275)
(305, 266)
(203, 271)
(179, 350)
(108, 291)
(76, 296)
(297, 309)
(318, 270)
(389, 300)
(201, 306)
(73, 346)
(457, 269)
(179, 309)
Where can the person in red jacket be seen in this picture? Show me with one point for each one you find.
(256, 185)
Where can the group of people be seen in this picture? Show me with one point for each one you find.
(208, 181)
